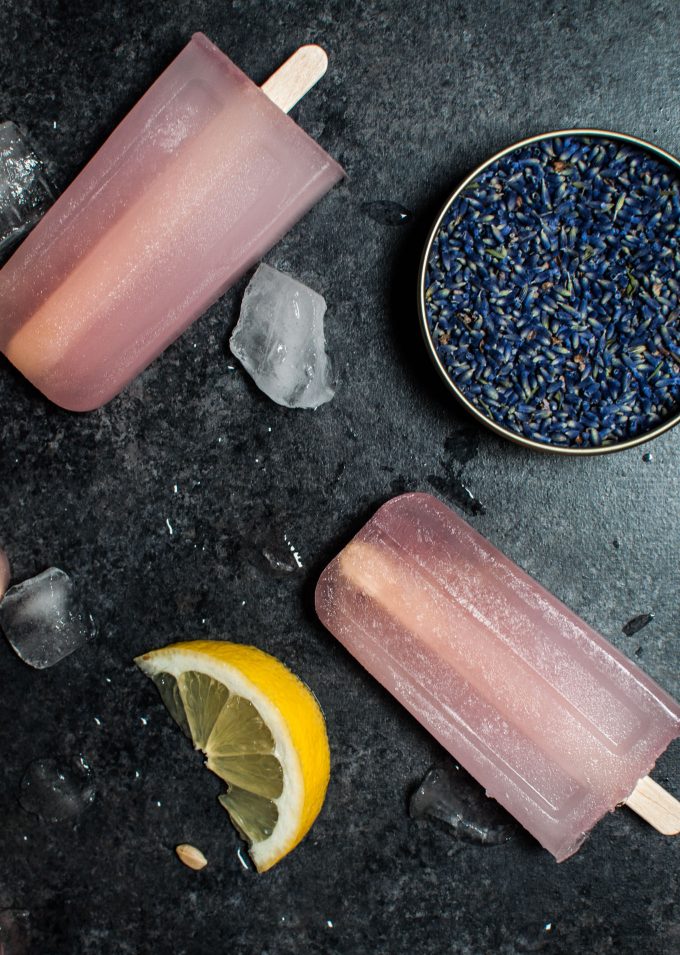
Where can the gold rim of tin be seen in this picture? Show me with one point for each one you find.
(458, 394)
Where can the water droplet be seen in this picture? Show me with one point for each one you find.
(647, 457)
(281, 555)
(57, 790)
(462, 445)
(637, 623)
(386, 212)
(458, 492)
(535, 938)
(616, 544)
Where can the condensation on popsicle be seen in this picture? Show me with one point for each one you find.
(545, 713)
(198, 181)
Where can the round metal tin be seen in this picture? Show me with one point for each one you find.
(465, 402)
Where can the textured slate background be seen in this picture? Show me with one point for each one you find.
(417, 94)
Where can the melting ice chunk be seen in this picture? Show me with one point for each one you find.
(4, 573)
(279, 340)
(24, 192)
(453, 797)
(55, 790)
(43, 618)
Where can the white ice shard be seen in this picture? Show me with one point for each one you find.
(279, 339)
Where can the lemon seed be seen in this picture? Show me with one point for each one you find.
(191, 856)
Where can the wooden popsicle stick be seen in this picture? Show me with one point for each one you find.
(296, 76)
(655, 806)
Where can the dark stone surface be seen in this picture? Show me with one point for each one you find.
(416, 95)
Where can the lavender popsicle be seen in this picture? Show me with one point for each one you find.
(550, 718)
(199, 180)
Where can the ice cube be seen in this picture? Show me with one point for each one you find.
(25, 194)
(4, 572)
(452, 796)
(279, 339)
(43, 618)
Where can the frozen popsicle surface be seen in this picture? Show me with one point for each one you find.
(198, 181)
(556, 724)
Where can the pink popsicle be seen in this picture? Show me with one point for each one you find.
(556, 724)
(4, 573)
(200, 179)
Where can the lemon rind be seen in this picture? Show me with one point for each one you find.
(290, 803)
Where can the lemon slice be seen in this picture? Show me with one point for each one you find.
(261, 730)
